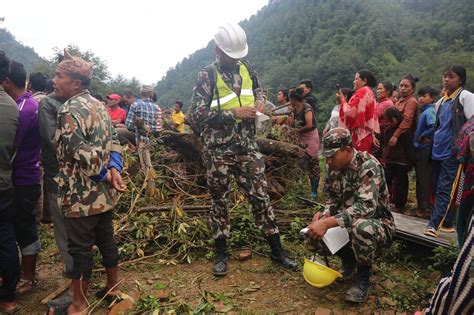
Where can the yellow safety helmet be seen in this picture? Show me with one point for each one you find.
(319, 275)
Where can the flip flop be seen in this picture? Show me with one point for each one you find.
(431, 232)
(9, 311)
(25, 286)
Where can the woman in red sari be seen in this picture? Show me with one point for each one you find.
(359, 115)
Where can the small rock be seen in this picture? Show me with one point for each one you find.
(245, 254)
(388, 284)
(122, 307)
(162, 295)
(135, 295)
(322, 311)
(149, 281)
(388, 301)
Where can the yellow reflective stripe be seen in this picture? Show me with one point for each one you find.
(246, 92)
(224, 99)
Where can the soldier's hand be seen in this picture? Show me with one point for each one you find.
(317, 229)
(317, 216)
(116, 180)
(245, 112)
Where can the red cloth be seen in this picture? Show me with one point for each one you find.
(360, 115)
(117, 114)
(363, 145)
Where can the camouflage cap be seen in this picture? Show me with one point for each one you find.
(334, 140)
(76, 65)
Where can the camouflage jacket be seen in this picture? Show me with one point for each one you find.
(84, 139)
(219, 129)
(358, 192)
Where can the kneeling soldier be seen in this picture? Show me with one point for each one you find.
(357, 200)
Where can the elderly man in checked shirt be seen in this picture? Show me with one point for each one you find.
(144, 118)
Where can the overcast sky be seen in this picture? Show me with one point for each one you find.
(136, 37)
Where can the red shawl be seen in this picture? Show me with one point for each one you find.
(359, 115)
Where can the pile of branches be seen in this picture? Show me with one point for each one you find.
(165, 210)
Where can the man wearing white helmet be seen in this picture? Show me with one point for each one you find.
(223, 113)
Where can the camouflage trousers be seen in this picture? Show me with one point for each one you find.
(249, 172)
(368, 236)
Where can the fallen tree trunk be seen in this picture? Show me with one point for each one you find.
(190, 146)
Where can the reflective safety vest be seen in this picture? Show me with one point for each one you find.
(227, 97)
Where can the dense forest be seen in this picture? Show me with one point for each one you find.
(327, 41)
(23, 54)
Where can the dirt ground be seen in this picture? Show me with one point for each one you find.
(252, 286)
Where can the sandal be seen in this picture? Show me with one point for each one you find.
(25, 286)
(109, 298)
(4, 310)
(431, 232)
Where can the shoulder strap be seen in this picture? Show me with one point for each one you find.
(252, 73)
(212, 73)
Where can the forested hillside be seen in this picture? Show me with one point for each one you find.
(23, 54)
(329, 40)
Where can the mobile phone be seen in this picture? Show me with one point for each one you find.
(338, 86)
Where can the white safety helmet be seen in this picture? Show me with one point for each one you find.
(231, 39)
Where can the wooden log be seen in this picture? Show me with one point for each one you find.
(280, 148)
(190, 146)
(63, 286)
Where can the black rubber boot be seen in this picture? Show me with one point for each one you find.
(220, 261)
(359, 292)
(277, 253)
(349, 264)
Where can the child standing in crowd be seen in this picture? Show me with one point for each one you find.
(422, 141)
(398, 158)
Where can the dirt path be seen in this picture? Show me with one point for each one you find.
(255, 286)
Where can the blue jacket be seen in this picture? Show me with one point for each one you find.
(425, 126)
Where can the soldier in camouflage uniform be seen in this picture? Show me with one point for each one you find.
(223, 113)
(357, 200)
(89, 176)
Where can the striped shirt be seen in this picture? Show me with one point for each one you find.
(147, 110)
(455, 293)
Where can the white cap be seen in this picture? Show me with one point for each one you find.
(231, 39)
